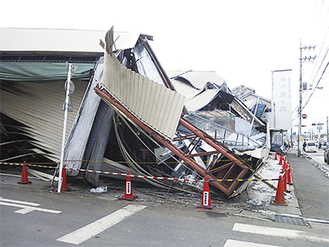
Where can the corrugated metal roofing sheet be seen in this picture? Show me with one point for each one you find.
(198, 79)
(146, 65)
(191, 85)
(157, 106)
(185, 89)
(60, 40)
(201, 100)
(39, 106)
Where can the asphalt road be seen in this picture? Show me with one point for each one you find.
(319, 158)
(35, 215)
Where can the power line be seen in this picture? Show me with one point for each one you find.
(315, 86)
(317, 17)
(313, 76)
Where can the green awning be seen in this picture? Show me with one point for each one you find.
(42, 71)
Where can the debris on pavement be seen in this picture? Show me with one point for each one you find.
(99, 190)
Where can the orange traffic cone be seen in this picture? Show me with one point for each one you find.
(64, 183)
(276, 156)
(279, 197)
(284, 178)
(206, 201)
(281, 159)
(128, 195)
(289, 176)
(24, 178)
(284, 166)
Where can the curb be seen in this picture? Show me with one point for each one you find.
(319, 166)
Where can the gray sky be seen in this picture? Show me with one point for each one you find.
(243, 41)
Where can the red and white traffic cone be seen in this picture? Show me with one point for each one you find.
(284, 178)
(276, 156)
(279, 197)
(206, 201)
(128, 195)
(284, 166)
(289, 176)
(64, 183)
(24, 178)
(281, 159)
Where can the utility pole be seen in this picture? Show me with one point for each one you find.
(67, 107)
(301, 60)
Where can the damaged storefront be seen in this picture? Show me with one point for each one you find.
(188, 151)
(135, 116)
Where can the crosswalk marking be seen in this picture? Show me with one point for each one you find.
(236, 243)
(279, 232)
(100, 225)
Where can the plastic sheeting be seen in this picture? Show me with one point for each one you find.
(41, 71)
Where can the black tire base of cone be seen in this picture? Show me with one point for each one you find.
(130, 199)
(24, 182)
(204, 207)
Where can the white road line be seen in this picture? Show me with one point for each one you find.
(317, 221)
(279, 232)
(236, 243)
(100, 225)
(10, 175)
(26, 209)
(22, 202)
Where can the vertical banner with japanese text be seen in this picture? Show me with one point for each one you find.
(282, 99)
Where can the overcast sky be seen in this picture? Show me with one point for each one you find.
(243, 41)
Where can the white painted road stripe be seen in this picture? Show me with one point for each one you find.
(26, 209)
(10, 175)
(236, 243)
(100, 225)
(279, 232)
(22, 202)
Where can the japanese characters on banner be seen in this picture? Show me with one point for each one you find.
(282, 99)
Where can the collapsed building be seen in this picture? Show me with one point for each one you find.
(135, 116)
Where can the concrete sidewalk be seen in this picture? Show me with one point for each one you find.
(311, 187)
